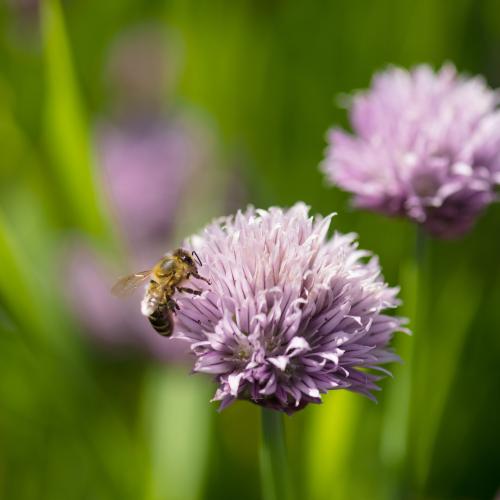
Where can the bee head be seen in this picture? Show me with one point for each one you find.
(188, 258)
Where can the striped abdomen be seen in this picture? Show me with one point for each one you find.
(154, 306)
(161, 320)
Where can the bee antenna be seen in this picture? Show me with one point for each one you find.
(197, 257)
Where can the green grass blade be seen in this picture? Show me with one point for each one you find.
(15, 282)
(67, 136)
(177, 424)
(331, 431)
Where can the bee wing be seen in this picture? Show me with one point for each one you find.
(127, 284)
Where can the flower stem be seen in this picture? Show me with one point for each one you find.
(421, 243)
(420, 357)
(397, 445)
(273, 459)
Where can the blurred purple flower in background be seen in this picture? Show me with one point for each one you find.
(148, 160)
(147, 168)
(426, 146)
(289, 315)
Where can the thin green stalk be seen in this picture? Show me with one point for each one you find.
(396, 446)
(420, 364)
(177, 428)
(329, 448)
(275, 473)
(66, 128)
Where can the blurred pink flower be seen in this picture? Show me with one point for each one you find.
(146, 170)
(426, 146)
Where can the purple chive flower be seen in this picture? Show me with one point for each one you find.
(426, 146)
(147, 169)
(289, 314)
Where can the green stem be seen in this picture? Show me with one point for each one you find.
(420, 358)
(421, 243)
(273, 459)
(397, 446)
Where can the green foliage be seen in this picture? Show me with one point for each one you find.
(67, 136)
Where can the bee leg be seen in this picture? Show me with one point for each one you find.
(188, 290)
(173, 306)
(196, 275)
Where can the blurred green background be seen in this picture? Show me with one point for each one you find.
(260, 79)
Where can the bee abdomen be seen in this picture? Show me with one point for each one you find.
(161, 321)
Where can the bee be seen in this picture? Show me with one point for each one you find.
(165, 278)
